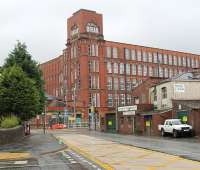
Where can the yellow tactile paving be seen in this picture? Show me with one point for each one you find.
(124, 157)
(14, 156)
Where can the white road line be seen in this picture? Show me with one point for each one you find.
(94, 166)
(73, 162)
(89, 163)
(20, 162)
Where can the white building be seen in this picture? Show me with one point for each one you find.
(185, 86)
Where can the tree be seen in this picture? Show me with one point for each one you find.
(20, 57)
(18, 94)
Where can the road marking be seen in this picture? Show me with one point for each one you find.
(20, 162)
(94, 166)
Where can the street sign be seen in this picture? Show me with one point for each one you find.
(129, 113)
(127, 108)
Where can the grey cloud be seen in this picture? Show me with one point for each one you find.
(172, 24)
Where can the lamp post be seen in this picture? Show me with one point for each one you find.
(44, 123)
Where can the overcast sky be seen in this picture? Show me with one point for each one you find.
(41, 24)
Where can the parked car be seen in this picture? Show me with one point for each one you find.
(175, 127)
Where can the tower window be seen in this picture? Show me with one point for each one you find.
(74, 30)
(91, 27)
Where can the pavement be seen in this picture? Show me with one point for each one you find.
(43, 152)
(114, 155)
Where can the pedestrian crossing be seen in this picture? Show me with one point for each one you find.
(75, 158)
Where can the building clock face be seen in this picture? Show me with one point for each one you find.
(74, 31)
(91, 27)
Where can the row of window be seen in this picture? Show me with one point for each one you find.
(119, 83)
(120, 100)
(138, 55)
(142, 70)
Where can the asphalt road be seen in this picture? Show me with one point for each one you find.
(186, 147)
(47, 154)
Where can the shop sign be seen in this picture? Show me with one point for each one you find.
(110, 123)
(148, 123)
(179, 88)
(127, 108)
(184, 118)
(129, 113)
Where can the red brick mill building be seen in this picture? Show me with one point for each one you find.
(100, 73)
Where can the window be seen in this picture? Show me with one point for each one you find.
(175, 72)
(127, 54)
(193, 63)
(128, 99)
(134, 82)
(180, 61)
(73, 51)
(155, 58)
(115, 65)
(144, 56)
(160, 72)
(115, 52)
(184, 61)
(145, 70)
(121, 68)
(91, 27)
(164, 92)
(197, 63)
(139, 55)
(116, 85)
(122, 83)
(74, 30)
(94, 81)
(93, 66)
(110, 100)
(170, 59)
(160, 59)
(122, 99)
(155, 71)
(140, 70)
(108, 52)
(128, 71)
(165, 59)
(166, 72)
(170, 72)
(134, 69)
(133, 55)
(150, 71)
(109, 83)
(155, 95)
(116, 100)
(94, 99)
(128, 84)
(175, 61)
(150, 57)
(93, 50)
(109, 67)
(188, 62)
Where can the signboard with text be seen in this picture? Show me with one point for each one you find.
(127, 108)
(180, 88)
(129, 113)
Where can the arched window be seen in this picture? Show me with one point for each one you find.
(74, 30)
(91, 27)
